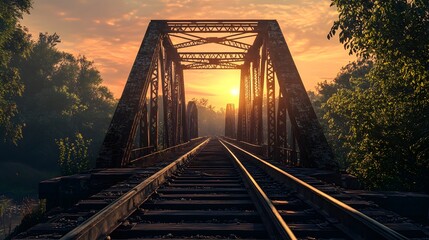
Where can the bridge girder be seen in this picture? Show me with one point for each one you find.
(266, 59)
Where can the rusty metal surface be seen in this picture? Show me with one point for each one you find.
(271, 109)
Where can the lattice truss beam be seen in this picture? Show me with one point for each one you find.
(152, 111)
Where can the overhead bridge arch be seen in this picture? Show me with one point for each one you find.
(259, 51)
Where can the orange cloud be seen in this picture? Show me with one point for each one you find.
(71, 19)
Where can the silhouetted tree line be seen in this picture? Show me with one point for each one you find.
(211, 122)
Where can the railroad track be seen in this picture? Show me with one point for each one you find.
(224, 192)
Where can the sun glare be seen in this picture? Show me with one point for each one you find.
(220, 87)
(234, 92)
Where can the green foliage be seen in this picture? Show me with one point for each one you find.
(390, 28)
(63, 96)
(73, 154)
(14, 45)
(381, 119)
(352, 76)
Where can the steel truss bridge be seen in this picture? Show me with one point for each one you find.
(285, 127)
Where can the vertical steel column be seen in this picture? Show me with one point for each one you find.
(254, 120)
(183, 121)
(244, 102)
(293, 158)
(261, 77)
(282, 129)
(174, 103)
(172, 97)
(252, 90)
(171, 123)
(271, 109)
(166, 99)
(241, 123)
(248, 99)
(153, 113)
(144, 128)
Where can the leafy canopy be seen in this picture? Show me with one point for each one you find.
(381, 121)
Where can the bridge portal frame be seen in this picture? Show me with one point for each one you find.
(265, 62)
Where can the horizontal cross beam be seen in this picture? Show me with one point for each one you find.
(211, 57)
(211, 66)
(211, 26)
(222, 41)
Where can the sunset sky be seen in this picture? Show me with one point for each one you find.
(109, 32)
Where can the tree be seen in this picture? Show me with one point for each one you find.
(385, 124)
(14, 45)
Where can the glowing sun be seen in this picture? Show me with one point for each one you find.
(234, 92)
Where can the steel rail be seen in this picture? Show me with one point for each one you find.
(101, 224)
(279, 228)
(357, 224)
